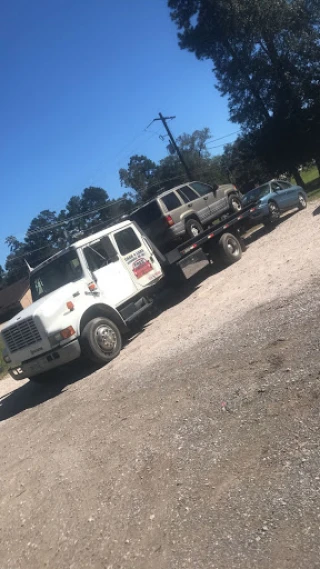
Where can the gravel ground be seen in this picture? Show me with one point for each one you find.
(198, 447)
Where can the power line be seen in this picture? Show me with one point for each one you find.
(106, 206)
(68, 220)
(222, 137)
(106, 223)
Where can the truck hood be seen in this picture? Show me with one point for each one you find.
(48, 304)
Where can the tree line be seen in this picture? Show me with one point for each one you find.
(266, 60)
(93, 210)
(49, 232)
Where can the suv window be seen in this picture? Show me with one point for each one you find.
(96, 255)
(127, 241)
(171, 201)
(187, 194)
(147, 214)
(202, 189)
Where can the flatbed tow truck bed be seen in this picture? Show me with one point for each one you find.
(220, 243)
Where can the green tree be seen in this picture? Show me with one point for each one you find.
(139, 174)
(242, 165)
(265, 53)
(15, 266)
(2, 277)
(147, 178)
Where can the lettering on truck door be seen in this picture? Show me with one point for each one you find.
(143, 266)
(113, 280)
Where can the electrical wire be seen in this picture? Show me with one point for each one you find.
(106, 206)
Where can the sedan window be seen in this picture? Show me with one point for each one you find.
(275, 186)
(257, 193)
(285, 185)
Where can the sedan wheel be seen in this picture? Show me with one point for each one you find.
(302, 201)
(274, 211)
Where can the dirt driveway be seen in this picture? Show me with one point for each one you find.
(197, 448)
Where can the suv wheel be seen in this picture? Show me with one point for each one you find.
(235, 204)
(193, 227)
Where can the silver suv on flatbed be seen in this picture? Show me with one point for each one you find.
(183, 211)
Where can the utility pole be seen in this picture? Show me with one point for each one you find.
(174, 144)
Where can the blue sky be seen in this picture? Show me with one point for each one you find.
(80, 82)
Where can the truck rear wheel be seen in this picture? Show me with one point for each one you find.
(229, 249)
(101, 340)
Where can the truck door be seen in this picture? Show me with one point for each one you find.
(138, 257)
(112, 278)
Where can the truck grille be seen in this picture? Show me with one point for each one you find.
(21, 335)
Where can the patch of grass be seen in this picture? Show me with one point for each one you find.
(314, 195)
(310, 175)
(3, 365)
(312, 180)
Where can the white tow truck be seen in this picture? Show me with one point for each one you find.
(86, 296)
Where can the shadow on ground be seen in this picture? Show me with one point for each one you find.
(261, 230)
(316, 211)
(31, 394)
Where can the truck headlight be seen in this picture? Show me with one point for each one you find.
(6, 358)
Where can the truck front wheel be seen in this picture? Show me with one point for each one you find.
(101, 340)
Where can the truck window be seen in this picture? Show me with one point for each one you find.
(171, 201)
(127, 241)
(59, 272)
(95, 255)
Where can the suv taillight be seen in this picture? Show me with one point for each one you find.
(170, 221)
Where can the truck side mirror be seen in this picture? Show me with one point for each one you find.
(214, 188)
(109, 249)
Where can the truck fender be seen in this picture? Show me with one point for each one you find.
(103, 310)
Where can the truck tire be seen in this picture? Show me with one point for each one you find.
(229, 249)
(101, 340)
(193, 227)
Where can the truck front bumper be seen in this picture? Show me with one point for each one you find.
(45, 362)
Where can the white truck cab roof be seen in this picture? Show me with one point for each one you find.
(82, 242)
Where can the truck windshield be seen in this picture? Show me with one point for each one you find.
(57, 273)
